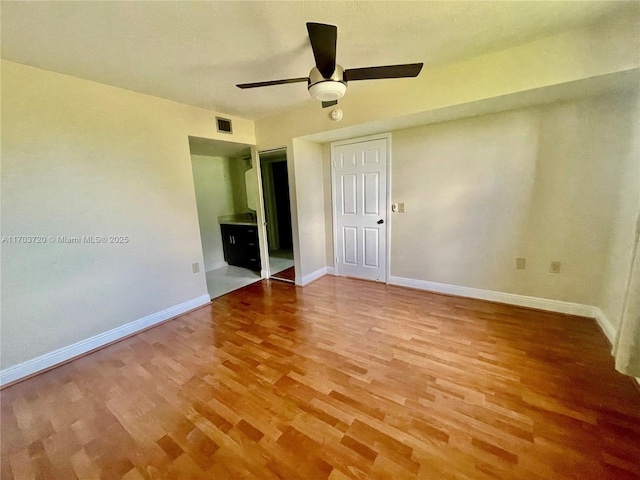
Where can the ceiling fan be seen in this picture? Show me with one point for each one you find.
(327, 81)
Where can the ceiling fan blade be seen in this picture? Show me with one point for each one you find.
(323, 43)
(388, 71)
(273, 82)
(329, 104)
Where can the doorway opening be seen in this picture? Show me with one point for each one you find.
(277, 209)
(226, 214)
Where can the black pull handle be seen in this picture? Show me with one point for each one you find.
(380, 222)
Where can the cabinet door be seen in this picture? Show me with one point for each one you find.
(230, 245)
(251, 248)
(240, 245)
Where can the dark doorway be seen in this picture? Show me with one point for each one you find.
(277, 208)
(283, 204)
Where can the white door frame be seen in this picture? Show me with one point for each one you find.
(380, 136)
(260, 215)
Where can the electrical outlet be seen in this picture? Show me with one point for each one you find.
(521, 263)
(401, 207)
(195, 267)
(555, 267)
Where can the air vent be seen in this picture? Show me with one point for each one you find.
(224, 125)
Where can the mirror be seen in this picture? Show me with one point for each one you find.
(277, 210)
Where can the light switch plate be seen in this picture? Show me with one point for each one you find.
(195, 267)
(521, 263)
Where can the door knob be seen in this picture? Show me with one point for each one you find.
(380, 222)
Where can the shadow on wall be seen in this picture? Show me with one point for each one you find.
(470, 199)
(220, 191)
(538, 183)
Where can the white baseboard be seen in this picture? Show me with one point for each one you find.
(331, 271)
(605, 324)
(307, 279)
(509, 298)
(51, 359)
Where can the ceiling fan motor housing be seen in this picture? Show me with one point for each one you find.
(327, 89)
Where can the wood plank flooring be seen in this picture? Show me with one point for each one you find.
(343, 379)
(288, 274)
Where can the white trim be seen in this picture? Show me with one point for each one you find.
(263, 244)
(349, 141)
(605, 324)
(387, 273)
(331, 271)
(501, 297)
(51, 359)
(334, 221)
(379, 136)
(307, 279)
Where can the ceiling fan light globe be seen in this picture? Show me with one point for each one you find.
(328, 91)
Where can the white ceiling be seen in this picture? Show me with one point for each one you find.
(195, 52)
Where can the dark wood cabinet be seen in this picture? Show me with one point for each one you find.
(240, 245)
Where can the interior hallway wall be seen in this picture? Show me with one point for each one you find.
(238, 167)
(307, 208)
(215, 189)
(540, 183)
(624, 225)
(84, 159)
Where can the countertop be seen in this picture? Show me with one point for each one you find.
(235, 222)
(248, 219)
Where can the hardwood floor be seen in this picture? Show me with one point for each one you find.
(340, 380)
(288, 274)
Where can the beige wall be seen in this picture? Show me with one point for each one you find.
(540, 183)
(309, 209)
(239, 167)
(328, 206)
(220, 190)
(81, 158)
(623, 231)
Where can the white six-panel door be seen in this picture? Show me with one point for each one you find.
(360, 209)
